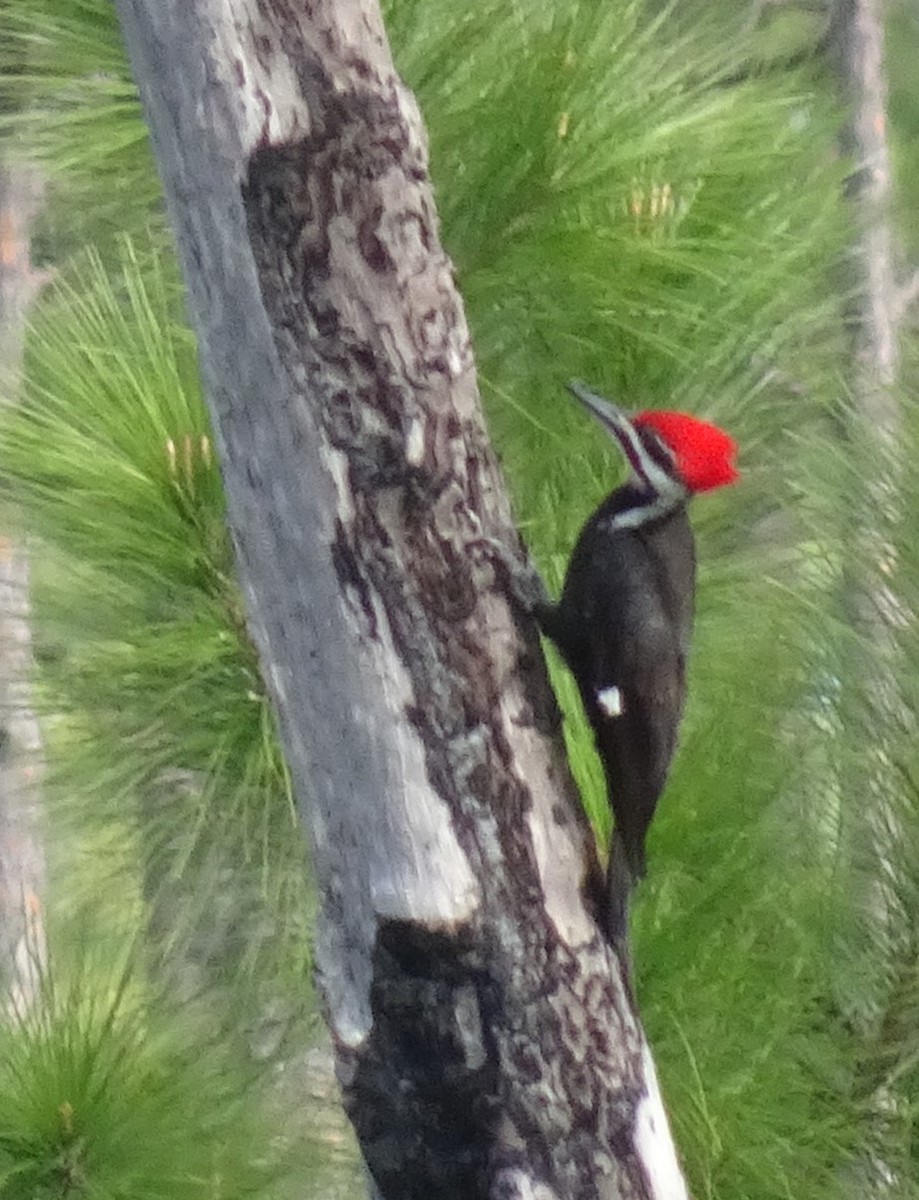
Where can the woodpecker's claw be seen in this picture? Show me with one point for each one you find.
(526, 587)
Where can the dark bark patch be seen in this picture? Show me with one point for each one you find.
(424, 1091)
(350, 577)
(371, 247)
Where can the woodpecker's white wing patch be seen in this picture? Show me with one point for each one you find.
(609, 701)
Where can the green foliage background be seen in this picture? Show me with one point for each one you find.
(647, 198)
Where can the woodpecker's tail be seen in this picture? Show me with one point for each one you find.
(620, 883)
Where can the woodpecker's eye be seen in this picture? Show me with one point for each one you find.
(658, 449)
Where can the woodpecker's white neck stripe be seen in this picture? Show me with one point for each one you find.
(660, 505)
(654, 475)
(666, 491)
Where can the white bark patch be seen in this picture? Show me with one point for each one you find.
(337, 463)
(559, 858)
(417, 869)
(251, 80)
(403, 861)
(414, 443)
(277, 672)
(559, 845)
(653, 1140)
(513, 1183)
(609, 701)
(468, 1016)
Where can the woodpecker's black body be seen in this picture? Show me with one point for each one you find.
(623, 625)
(624, 619)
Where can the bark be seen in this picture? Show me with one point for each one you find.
(859, 32)
(878, 612)
(884, 943)
(483, 1037)
(22, 864)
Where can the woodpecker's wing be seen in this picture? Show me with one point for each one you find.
(637, 597)
(635, 707)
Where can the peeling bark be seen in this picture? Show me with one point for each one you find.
(484, 1040)
(22, 864)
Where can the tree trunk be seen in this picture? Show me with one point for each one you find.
(878, 612)
(883, 945)
(22, 863)
(484, 1040)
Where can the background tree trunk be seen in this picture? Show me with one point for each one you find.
(484, 1040)
(22, 864)
(877, 427)
(884, 936)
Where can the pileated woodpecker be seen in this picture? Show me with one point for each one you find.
(624, 620)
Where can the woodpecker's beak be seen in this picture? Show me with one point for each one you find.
(616, 422)
(609, 416)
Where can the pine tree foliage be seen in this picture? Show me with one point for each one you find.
(63, 68)
(99, 1097)
(633, 198)
(142, 630)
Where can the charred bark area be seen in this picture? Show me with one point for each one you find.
(446, 1098)
(485, 1043)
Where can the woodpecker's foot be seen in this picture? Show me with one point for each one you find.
(525, 585)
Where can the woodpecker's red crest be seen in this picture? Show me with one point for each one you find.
(703, 454)
(673, 454)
